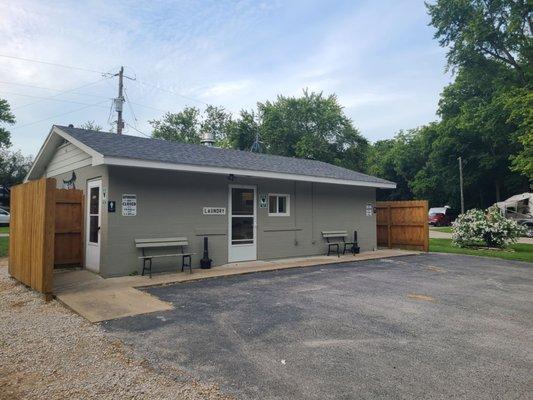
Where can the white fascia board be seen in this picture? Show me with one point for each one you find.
(47, 150)
(97, 157)
(128, 162)
(44, 148)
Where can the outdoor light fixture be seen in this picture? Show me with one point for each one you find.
(231, 177)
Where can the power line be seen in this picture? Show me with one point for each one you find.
(130, 107)
(49, 88)
(59, 115)
(52, 64)
(135, 129)
(171, 92)
(60, 93)
(45, 98)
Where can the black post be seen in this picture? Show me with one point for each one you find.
(355, 247)
(205, 262)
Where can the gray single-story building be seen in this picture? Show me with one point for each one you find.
(250, 206)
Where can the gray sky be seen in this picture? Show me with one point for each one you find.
(380, 58)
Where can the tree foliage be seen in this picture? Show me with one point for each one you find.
(14, 167)
(188, 125)
(497, 30)
(6, 117)
(310, 126)
(91, 126)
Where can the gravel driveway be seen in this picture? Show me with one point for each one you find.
(47, 352)
(428, 326)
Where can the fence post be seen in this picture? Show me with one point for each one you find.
(389, 232)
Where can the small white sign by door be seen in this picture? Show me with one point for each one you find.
(369, 210)
(129, 205)
(214, 211)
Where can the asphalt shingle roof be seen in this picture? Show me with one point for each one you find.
(148, 149)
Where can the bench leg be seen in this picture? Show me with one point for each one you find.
(333, 245)
(186, 264)
(149, 268)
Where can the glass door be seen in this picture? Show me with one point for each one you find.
(242, 239)
(93, 220)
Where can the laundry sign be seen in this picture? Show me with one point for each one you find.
(214, 211)
(129, 205)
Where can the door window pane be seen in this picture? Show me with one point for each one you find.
(95, 199)
(93, 229)
(242, 230)
(242, 201)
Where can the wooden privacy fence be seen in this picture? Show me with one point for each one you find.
(45, 228)
(68, 244)
(403, 224)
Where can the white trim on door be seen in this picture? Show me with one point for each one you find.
(247, 251)
(93, 243)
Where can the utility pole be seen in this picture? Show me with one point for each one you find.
(119, 101)
(460, 159)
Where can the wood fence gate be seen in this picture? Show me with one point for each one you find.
(403, 224)
(46, 229)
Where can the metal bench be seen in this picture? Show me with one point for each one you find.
(158, 243)
(341, 236)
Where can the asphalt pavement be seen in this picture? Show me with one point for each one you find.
(429, 326)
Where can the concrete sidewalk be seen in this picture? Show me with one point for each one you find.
(98, 299)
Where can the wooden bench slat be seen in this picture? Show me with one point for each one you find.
(162, 240)
(156, 245)
(334, 233)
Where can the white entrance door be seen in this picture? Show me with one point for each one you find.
(242, 238)
(92, 234)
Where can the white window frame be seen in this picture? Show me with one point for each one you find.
(287, 202)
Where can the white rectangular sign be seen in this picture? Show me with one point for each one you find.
(214, 211)
(129, 205)
(369, 210)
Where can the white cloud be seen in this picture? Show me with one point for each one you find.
(379, 58)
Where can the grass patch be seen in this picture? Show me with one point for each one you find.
(4, 246)
(447, 229)
(517, 252)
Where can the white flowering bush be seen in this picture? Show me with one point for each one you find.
(488, 228)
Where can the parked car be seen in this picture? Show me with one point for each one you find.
(441, 216)
(4, 217)
(528, 224)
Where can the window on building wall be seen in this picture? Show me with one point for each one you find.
(278, 205)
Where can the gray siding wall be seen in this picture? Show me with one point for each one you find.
(170, 204)
(67, 158)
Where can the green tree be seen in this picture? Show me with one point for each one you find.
(497, 30)
(312, 126)
(216, 120)
(189, 124)
(14, 167)
(243, 130)
(182, 126)
(91, 126)
(6, 117)
(519, 104)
